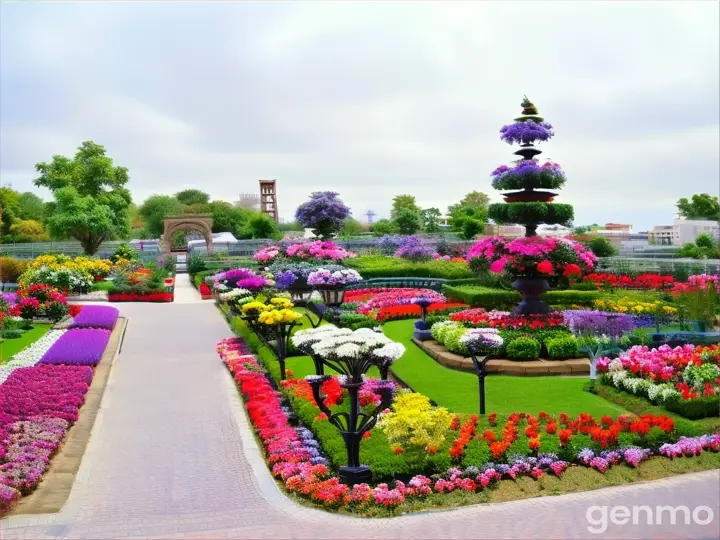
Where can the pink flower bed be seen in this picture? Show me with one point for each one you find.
(399, 297)
(317, 250)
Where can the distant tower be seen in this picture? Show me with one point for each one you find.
(248, 201)
(268, 199)
(370, 215)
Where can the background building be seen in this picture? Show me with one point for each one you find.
(683, 231)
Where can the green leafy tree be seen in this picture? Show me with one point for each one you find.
(90, 173)
(704, 247)
(431, 220)
(32, 207)
(28, 230)
(227, 218)
(474, 199)
(83, 218)
(192, 196)
(10, 208)
(602, 247)
(260, 225)
(352, 227)
(468, 221)
(408, 221)
(700, 206)
(403, 201)
(382, 227)
(154, 211)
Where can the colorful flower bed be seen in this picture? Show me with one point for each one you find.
(476, 455)
(641, 281)
(305, 251)
(140, 297)
(82, 347)
(685, 380)
(205, 292)
(497, 319)
(398, 297)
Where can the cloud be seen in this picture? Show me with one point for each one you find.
(370, 99)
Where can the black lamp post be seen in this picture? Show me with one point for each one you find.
(486, 339)
(481, 372)
(353, 424)
(274, 336)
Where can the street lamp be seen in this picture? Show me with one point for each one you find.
(481, 339)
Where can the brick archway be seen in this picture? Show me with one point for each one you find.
(189, 222)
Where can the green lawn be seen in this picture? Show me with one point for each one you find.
(10, 347)
(458, 391)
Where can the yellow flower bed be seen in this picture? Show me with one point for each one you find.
(634, 307)
(279, 316)
(414, 424)
(94, 267)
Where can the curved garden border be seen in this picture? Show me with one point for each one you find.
(574, 366)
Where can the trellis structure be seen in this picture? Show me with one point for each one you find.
(201, 223)
(268, 198)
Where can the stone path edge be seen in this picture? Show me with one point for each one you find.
(30, 508)
(274, 494)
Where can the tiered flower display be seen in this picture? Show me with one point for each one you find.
(324, 213)
(304, 251)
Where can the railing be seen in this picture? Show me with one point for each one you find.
(646, 265)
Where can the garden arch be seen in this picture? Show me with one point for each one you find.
(190, 222)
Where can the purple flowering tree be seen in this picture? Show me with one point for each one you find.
(324, 213)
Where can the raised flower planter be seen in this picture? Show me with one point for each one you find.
(135, 297)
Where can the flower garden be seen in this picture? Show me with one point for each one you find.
(353, 414)
(43, 380)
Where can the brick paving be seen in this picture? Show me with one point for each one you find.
(172, 456)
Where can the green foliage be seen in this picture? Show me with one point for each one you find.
(430, 220)
(403, 201)
(190, 197)
(352, 227)
(31, 207)
(28, 230)
(11, 269)
(260, 225)
(491, 298)
(468, 221)
(10, 207)
(700, 206)
(196, 263)
(155, 209)
(704, 247)
(602, 247)
(83, 218)
(474, 199)
(407, 221)
(383, 227)
(523, 348)
(560, 348)
(92, 175)
(378, 266)
(531, 212)
(124, 251)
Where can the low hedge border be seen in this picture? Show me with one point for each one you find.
(485, 297)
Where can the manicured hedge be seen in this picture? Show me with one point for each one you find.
(377, 266)
(488, 298)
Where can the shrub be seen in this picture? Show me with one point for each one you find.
(699, 407)
(378, 266)
(11, 269)
(523, 348)
(489, 298)
(55, 310)
(560, 348)
(196, 264)
(124, 252)
(414, 424)
(11, 333)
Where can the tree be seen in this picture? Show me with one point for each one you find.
(90, 173)
(261, 225)
(382, 227)
(602, 247)
(324, 213)
(704, 247)
(408, 221)
(31, 206)
(10, 207)
(352, 227)
(192, 196)
(474, 199)
(83, 218)
(468, 221)
(28, 230)
(700, 206)
(154, 211)
(431, 220)
(227, 218)
(403, 201)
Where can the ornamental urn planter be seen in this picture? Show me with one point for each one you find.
(529, 196)
(531, 287)
(300, 295)
(332, 297)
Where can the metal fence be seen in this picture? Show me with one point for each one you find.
(647, 265)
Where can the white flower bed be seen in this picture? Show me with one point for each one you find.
(98, 296)
(31, 355)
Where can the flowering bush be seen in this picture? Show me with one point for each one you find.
(528, 174)
(62, 278)
(339, 278)
(414, 425)
(306, 251)
(240, 278)
(642, 281)
(97, 268)
(534, 256)
(411, 247)
(481, 339)
(527, 131)
(324, 213)
(699, 297)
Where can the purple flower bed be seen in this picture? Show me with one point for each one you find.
(96, 317)
(526, 132)
(10, 299)
(598, 322)
(81, 347)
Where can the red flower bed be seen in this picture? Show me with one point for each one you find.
(412, 310)
(504, 321)
(205, 291)
(134, 297)
(642, 281)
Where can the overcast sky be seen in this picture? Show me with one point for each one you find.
(370, 99)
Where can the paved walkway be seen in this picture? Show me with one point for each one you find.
(172, 456)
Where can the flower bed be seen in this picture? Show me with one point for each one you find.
(138, 297)
(685, 380)
(398, 297)
(476, 454)
(96, 317)
(304, 251)
(205, 292)
(30, 355)
(641, 281)
(82, 347)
